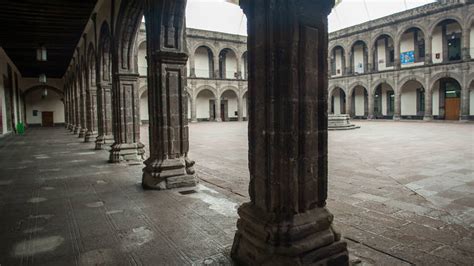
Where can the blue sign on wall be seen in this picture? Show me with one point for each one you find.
(407, 57)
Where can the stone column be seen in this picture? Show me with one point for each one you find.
(349, 105)
(71, 107)
(465, 102)
(369, 59)
(104, 115)
(193, 111)
(126, 122)
(66, 106)
(168, 165)
(398, 105)
(91, 108)
(217, 103)
(216, 66)
(192, 66)
(239, 65)
(286, 221)
(77, 93)
(396, 54)
(82, 107)
(428, 50)
(428, 115)
(466, 44)
(370, 107)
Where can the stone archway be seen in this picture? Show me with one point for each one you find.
(359, 102)
(337, 101)
(447, 98)
(384, 101)
(43, 99)
(205, 105)
(229, 105)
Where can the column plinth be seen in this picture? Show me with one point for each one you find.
(286, 221)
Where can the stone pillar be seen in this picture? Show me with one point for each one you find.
(349, 105)
(465, 103)
(217, 103)
(168, 165)
(66, 106)
(91, 108)
(71, 107)
(216, 66)
(466, 44)
(428, 50)
(82, 107)
(370, 105)
(396, 54)
(398, 105)
(104, 115)
(126, 122)
(428, 115)
(77, 92)
(369, 60)
(286, 221)
(239, 65)
(193, 111)
(192, 66)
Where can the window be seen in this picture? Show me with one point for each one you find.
(420, 97)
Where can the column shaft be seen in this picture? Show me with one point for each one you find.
(168, 165)
(104, 115)
(91, 109)
(77, 92)
(398, 105)
(82, 107)
(126, 124)
(465, 103)
(286, 221)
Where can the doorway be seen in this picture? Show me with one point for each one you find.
(47, 119)
(452, 108)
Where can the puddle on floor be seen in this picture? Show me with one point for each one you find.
(37, 245)
(220, 205)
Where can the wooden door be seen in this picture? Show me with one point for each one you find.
(47, 119)
(452, 108)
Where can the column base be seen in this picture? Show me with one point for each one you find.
(464, 118)
(168, 174)
(76, 130)
(397, 117)
(102, 141)
(126, 152)
(428, 118)
(90, 135)
(82, 133)
(218, 120)
(194, 120)
(305, 238)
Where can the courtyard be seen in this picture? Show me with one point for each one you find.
(401, 192)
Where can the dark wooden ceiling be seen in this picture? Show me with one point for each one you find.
(57, 24)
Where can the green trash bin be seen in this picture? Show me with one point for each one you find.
(20, 128)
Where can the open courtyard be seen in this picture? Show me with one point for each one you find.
(401, 192)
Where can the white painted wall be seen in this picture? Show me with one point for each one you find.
(202, 104)
(189, 108)
(384, 90)
(359, 101)
(244, 105)
(471, 101)
(230, 65)
(201, 62)
(437, 45)
(359, 59)
(144, 106)
(408, 98)
(142, 63)
(51, 103)
(232, 105)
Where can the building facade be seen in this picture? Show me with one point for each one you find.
(417, 64)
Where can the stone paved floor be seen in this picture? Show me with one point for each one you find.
(401, 192)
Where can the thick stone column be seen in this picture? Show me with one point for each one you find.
(428, 50)
(396, 54)
(168, 165)
(126, 123)
(77, 92)
(192, 66)
(82, 108)
(466, 44)
(428, 115)
(370, 105)
(217, 102)
(91, 109)
(286, 221)
(349, 105)
(104, 115)
(66, 108)
(398, 105)
(465, 103)
(216, 66)
(71, 107)
(193, 111)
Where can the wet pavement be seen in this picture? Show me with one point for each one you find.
(402, 193)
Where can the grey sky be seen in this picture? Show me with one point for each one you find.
(217, 15)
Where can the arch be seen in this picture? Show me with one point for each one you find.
(409, 78)
(450, 17)
(337, 102)
(204, 101)
(227, 88)
(42, 87)
(407, 28)
(356, 41)
(205, 87)
(142, 90)
(380, 82)
(126, 32)
(204, 64)
(227, 68)
(445, 74)
(229, 100)
(335, 86)
(359, 101)
(381, 34)
(354, 85)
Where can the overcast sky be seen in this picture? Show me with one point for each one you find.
(217, 15)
